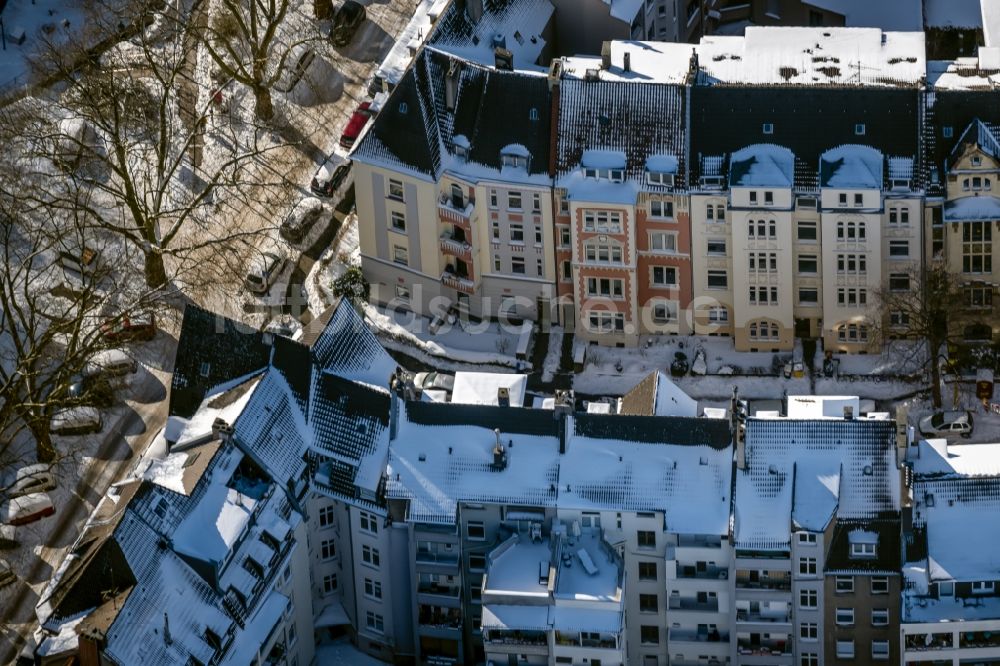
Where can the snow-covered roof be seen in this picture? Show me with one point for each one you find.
(991, 22)
(762, 165)
(814, 57)
(410, 40)
(936, 458)
(885, 14)
(972, 209)
(817, 494)
(953, 14)
(516, 25)
(649, 62)
(779, 450)
(481, 388)
(970, 73)
(822, 406)
(851, 167)
(658, 395)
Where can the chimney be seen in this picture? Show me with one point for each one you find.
(848, 412)
(503, 59)
(627, 62)
(499, 453)
(451, 84)
(555, 73)
(693, 66)
(221, 429)
(499, 41)
(606, 56)
(503, 396)
(474, 8)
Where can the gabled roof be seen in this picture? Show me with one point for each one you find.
(978, 133)
(347, 347)
(851, 166)
(521, 26)
(209, 341)
(657, 395)
(888, 552)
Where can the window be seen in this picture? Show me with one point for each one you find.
(396, 189)
(664, 312)
(807, 566)
(715, 213)
(899, 282)
(859, 129)
(659, 208)
(397, 221)
(979, 296)
(517, 233)
(806, 232)
(567, 270)
(842, 199)
(899, 216)
(329, 583)
(327, 549)
(514, 161)
(606, 322)
(402, 293)
(768, 128)
(717, 246)
(898, 319)
(947, 132)
(845, 649)
(718, 279)
(371, 556)
(763, 295)
(205, 369)
(880, 650)
(853, 333)
(660, 177)
(538, 267)
(844, 584)
(753, 197)
(718, 315)
(808, 296)
(852, 264)
(807, 599)
(538, 236)
(899, 248)
(982, 587)
(664, 276)
(880, 617)
(494, 200)
(768, 198)
(647, 570)
(807, 538)
(809, 658)
(646, 539)
(601, 253)
(517, 265)
(399, 255)
(809, 631)
(564, 237)
(605, 287)
(850, 231)
(477, 562)
(514, 200)
(759, 229)
(475, 530)
(977, 247)
(863, 550)
(764, 331)
(375, 622)
(976, 184)
(662, 241)
(845, 617)
(649, 634)
(851, 296)
(808, 264)
(647, 603)
(977, 160)
(602, 221)
(326, 516)
(858, 200)
(373, 589)
(763, 262)
(368, 522)
(536, 201)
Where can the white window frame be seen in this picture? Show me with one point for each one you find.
(844, 617)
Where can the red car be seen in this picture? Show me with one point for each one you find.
(355, 125)
(129, 328)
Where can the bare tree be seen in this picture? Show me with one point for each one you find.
(932, 310)
(246, 42)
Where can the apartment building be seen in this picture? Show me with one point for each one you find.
(950, 610)
(803, 482)
(452, 184)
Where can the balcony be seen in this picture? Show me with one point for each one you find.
(941, 641)
(458, 282)
(694, 636)
(451, 211)
(757, 617)
(437, 557)
(763, 648)
(515, 637)
(691, 572)
(604, 641)
(432, 617)
(455, 248)
(776, 580)
(978, 639)
(686, 604)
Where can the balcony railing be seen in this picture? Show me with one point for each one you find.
(439, 590)
(460, 216)
(694, 605)
(516, 637)
(569, 639)
(708, 573)
(776, 581)
(756, 616)
(978, 639)
(437, 557)
(462, 284)
(455, 248)
(763, 648)
(693, 636)
(940, 641)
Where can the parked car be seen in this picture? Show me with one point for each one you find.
(354, 126)
(92, 390)
(330, 176)
(296, 64)
(301, 219)
(434, 380)
(32, 479)
(140, 326)
(265, 267)
(7, 575)
(947, 423)
(26, 509)
(76, 421)
(346, 20)
(111, 363)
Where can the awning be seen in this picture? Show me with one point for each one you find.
(524, 618)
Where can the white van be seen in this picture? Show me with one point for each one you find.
(26, 509)
(32, 479)
(110, 363)
(76, 421)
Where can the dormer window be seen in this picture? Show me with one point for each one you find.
(660, 178)
(859, 129)
(616, 175)
(977, 161)
(516, 161)
(515, 156)
(862, 550)
(863, 544)
(461, 151)
(899, 184)
(590, 173)
(982, 587)
(768, 128)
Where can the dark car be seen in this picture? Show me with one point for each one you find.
(94, 390)
(330, 176)
(302, 218)
(349, 16)
(137, 327)
(355, 125)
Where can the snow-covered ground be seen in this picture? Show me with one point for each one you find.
(551, 364)
(33, 19)
(343, 653)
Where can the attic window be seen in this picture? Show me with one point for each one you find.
(616, 175)
(590, 173)
(660, 178)
(461, 151)
(862, 543)
(205, 369)
(519, 37)
(977, 161)
(859, 129)
(533, 114)
(514, 161)
(212, 639)
(403, 108)
(862, 550)
(947, 132)
(768, 128)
